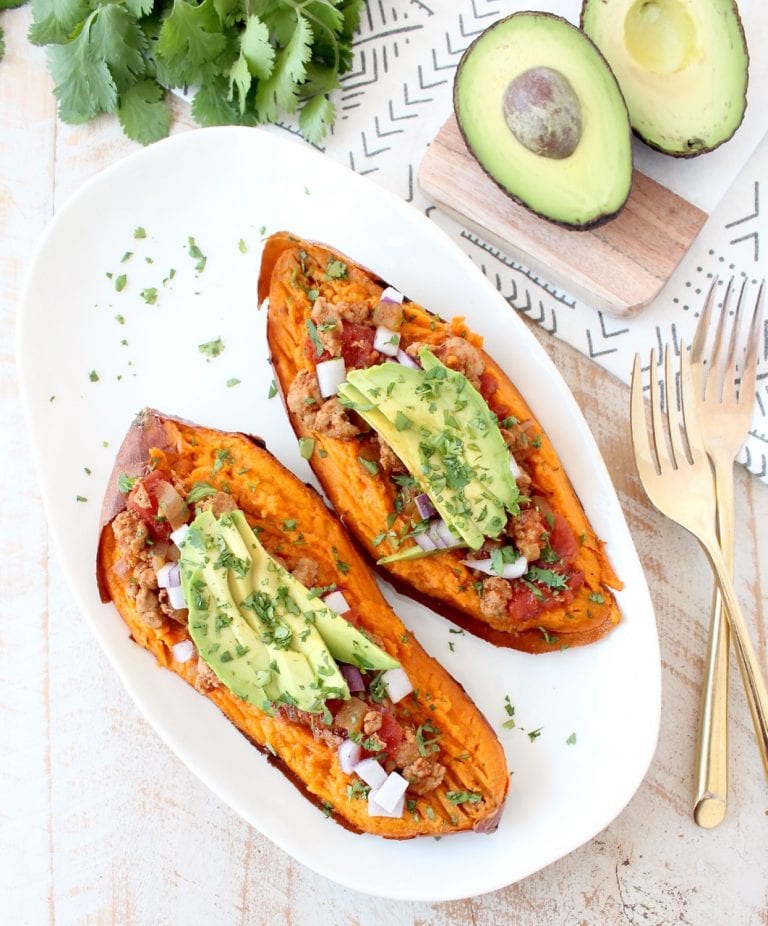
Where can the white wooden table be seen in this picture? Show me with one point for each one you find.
(100, 823)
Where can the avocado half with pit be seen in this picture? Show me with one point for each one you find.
(682, 66)
(543, 115)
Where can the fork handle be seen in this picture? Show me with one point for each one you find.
(757, 695)
(711, 776)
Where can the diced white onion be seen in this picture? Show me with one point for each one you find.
(349, 755)
(407, 360)
(176, 598)
(446, 535)
(171, 505)
(169, 576)
(397, 683)
(330, 375)
(514, 468)
(336, 602)
(386, 341)
(178, 535)
(184, 651)
(390, 294)
(371, 771)
(390, 794)
(509, 570)
(376, 810)
(426, 543)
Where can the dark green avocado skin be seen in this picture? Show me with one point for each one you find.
(598, 221)
(702, 148)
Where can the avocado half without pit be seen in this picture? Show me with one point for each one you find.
(543, 115)
(682, 66)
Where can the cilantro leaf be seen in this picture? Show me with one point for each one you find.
(315, 118)
(212, 105)
(55, 20)
(189, 37)
(144, 112)
(84, 85)
(256, 49)
(280, 90)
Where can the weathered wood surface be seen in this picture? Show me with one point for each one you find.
(101, 824)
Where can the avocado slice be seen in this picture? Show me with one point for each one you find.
(259, 629)
(682, 66)
(543, 115)
(446, 436)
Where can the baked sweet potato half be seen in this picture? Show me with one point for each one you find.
(431, 456)
(237, 577)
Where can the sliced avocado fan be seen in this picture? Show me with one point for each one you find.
(259, 629)
(442, 430)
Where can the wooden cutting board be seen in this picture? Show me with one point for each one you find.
(618, 268)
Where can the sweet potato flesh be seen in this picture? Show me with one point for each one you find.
(271, 497)
(293, 275)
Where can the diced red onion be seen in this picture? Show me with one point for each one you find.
(390, 294)
(424, 505)
(407, 360)
(397, 683)
(509, 570)
(390, 794)
(183, 651)
(446, 535)
(514, 467)
(349, 755)
(353, 677)
(330, 375)
(171, 505)
(426, 543)
(122, 567)
(178, 535)
(176, 598)
(336, 602)
(371, 772)
(169, 576)
(386, 341)
(376, 810)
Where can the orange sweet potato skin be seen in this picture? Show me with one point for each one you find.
(270, 495)
(364, 500)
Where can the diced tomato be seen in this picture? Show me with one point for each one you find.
(562, 540)
(357, 346)
(391, 732)
(488, 385)
(352, 617)
(525, 604)
(143, 500)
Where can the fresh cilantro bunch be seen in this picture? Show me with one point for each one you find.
(247, 61)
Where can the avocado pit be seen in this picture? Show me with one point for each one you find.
(543, 112)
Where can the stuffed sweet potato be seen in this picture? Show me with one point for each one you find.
(431, 456)
(237, 577)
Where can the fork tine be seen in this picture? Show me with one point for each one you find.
(690, 416)
(713, 387)
(658, 425)
(733, 354)
(679, 455)
(702, 328)
(637, 421)
(749, 371)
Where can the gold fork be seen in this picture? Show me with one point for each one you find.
(724, 417)
(682, 488)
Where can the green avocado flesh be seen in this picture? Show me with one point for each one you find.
(260, 630)
(682, 66)
(441, 428)
(543, 115)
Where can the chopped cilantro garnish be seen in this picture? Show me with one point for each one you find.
(196, 254)
(509, 724)
(571, 741)
(464, 797)
(233, 382)
(535, 734)
(370, 465)
(149, 295)
(80, 498)
(272, 390)
(336, 270)
(120, 282)
(553, 580)
(597, 598)
(211, 348)
(314, 337)
(140, 232)
(306, 447)
(125, 483)
(242, 246)
(93, 376)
